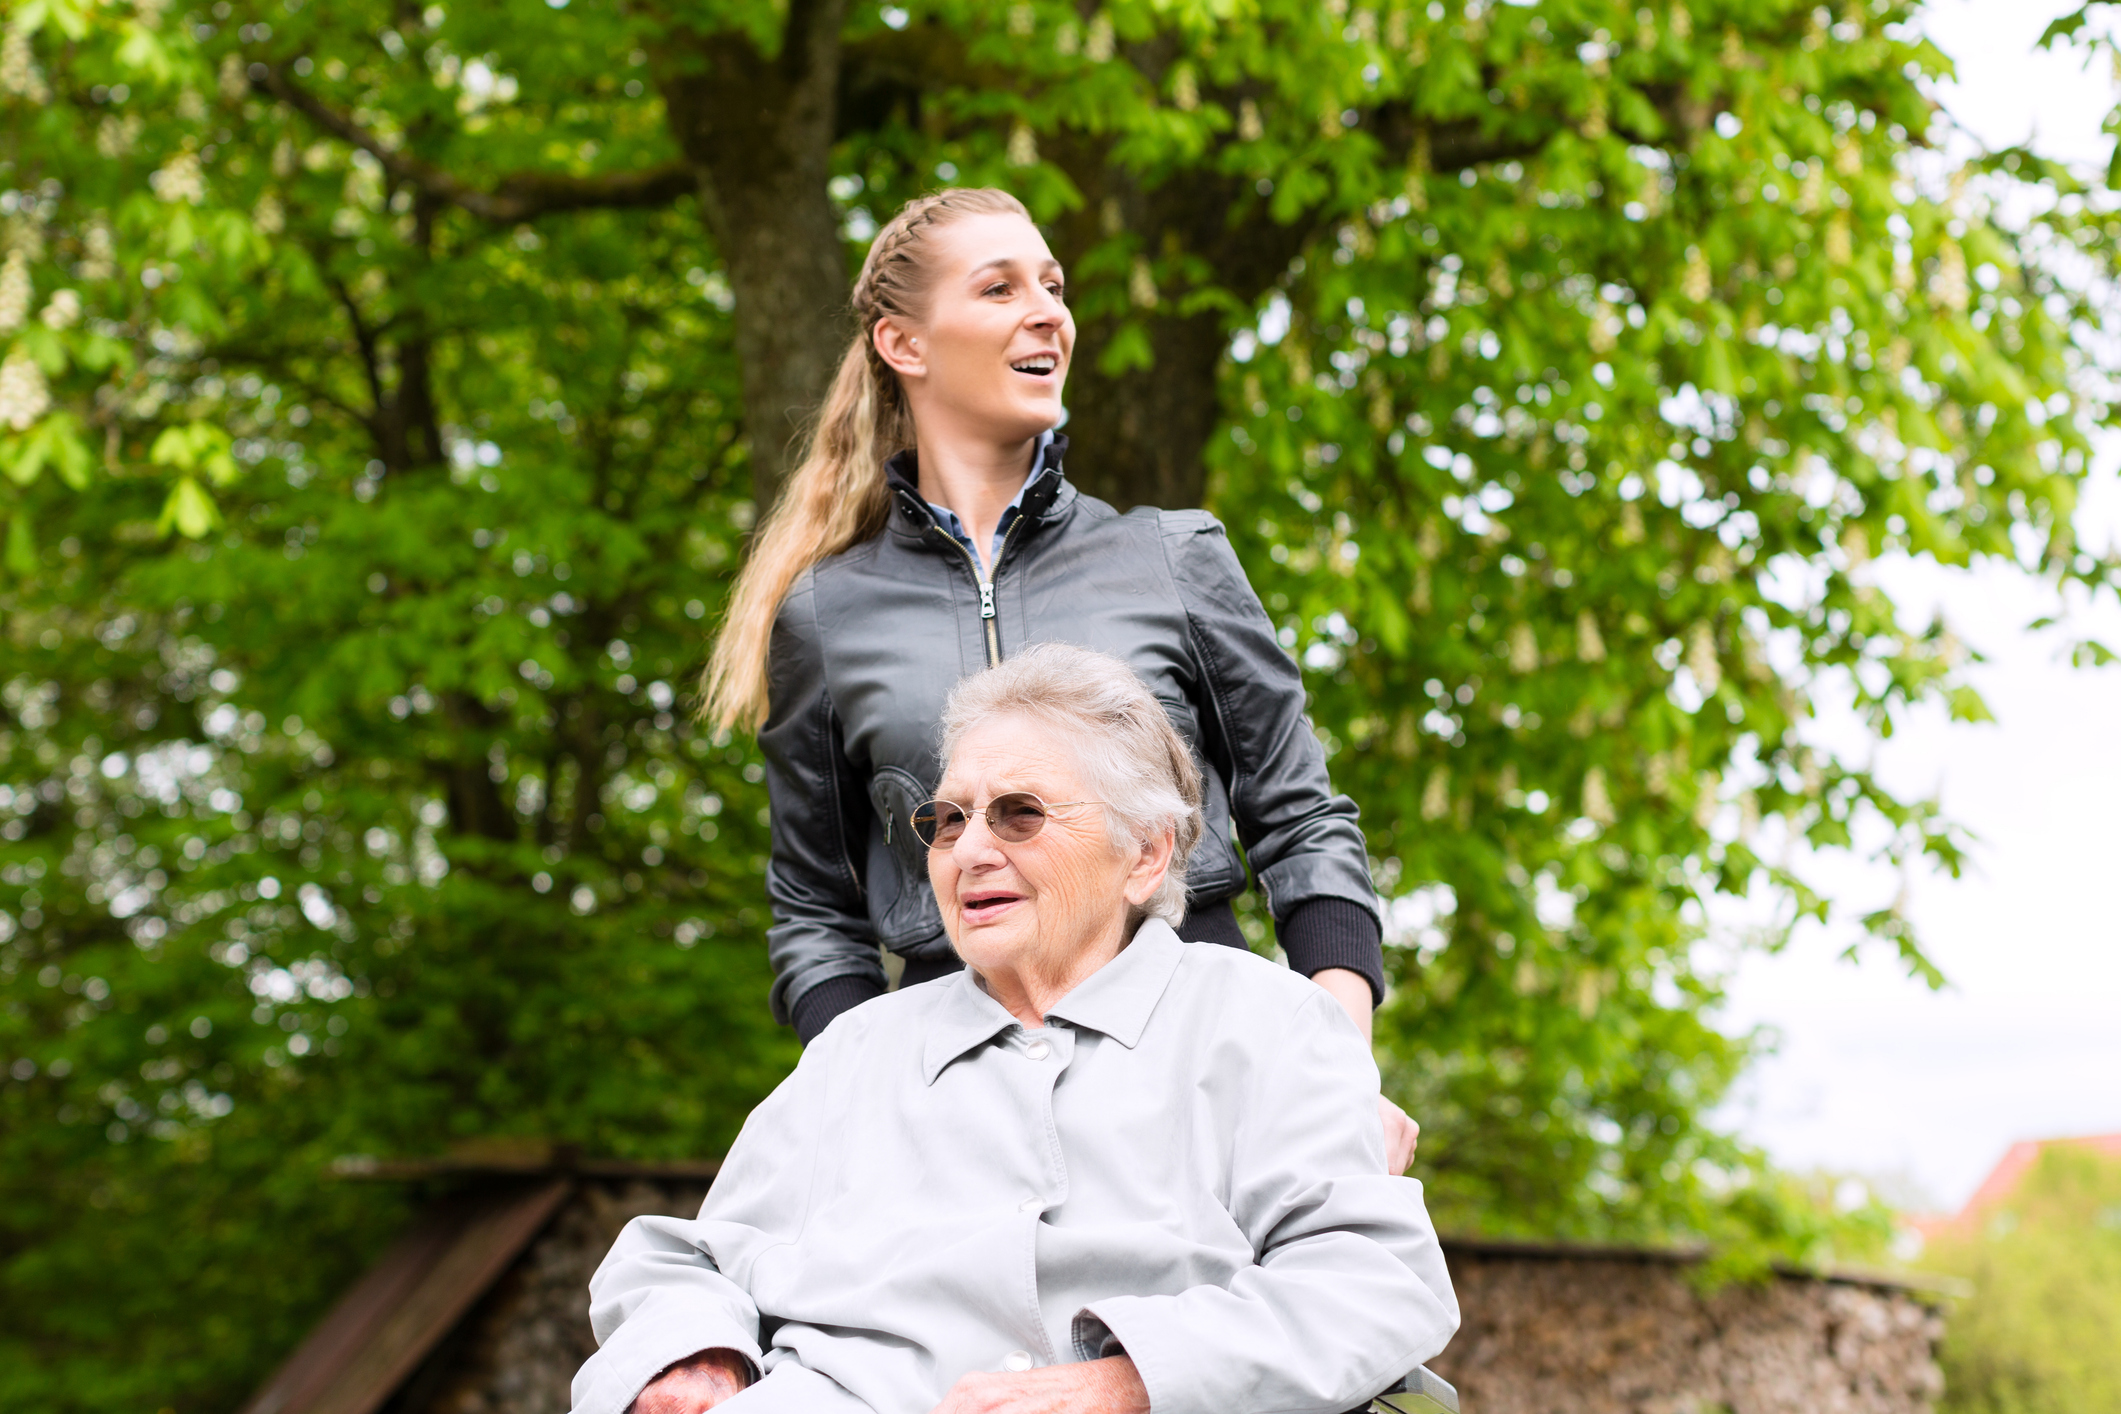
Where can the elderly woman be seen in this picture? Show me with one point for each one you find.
(1098, 1170)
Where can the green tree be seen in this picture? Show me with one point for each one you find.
(388, 389)
(2039, 1333)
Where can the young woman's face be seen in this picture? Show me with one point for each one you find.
(989, 355)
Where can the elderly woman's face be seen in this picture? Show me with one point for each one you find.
(1047, 898)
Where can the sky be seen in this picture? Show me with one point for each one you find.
(1876, 1074)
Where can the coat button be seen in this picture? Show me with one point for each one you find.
(1017, 1361)
(1031, 1205)
(1038, 1050)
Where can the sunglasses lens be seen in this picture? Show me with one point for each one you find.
(939, 822)
(1017, 816)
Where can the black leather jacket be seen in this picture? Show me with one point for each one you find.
(870, 642)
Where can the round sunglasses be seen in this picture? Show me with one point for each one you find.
(1013, 817)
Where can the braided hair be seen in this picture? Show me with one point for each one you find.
(836, 497)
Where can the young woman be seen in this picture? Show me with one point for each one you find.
(929, 533)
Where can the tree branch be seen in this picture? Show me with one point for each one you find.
(520, 196)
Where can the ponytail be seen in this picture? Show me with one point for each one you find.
(836, 498)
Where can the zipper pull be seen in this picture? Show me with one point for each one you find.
(986, 600)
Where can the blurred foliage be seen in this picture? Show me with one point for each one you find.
(2041, 1333)
(359, 550)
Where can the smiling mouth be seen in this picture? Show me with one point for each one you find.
(985, 908)
(1038, 365)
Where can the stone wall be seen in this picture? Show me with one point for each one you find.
(1547, 1331)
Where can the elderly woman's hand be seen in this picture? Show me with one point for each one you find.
(696, 1384)
(1111, 1386)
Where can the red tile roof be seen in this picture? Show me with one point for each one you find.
(2004, 1178)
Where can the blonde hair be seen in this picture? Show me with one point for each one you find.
(836, 496)
(1127, 749)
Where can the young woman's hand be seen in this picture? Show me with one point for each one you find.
(1110, 1386)
(1352, 990)
(1401, 1135)
(695, 1384)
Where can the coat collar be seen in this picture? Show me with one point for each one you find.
(1116, 1001)
(1048, 490)
(1117, 998)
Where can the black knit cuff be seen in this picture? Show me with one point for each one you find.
(1334, 932)
(814, 1010)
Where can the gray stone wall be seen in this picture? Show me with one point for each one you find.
(1546, 1334)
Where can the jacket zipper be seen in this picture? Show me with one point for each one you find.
(986, 593)
(986, 585)
(986, 588)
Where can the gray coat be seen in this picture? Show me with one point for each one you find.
(1183, 1162)
(869, 643)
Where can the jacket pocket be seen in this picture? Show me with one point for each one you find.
(901, 904)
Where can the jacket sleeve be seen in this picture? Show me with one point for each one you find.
(671, 1287)
(823, 951)
(1302, 840)
(1350, 1290)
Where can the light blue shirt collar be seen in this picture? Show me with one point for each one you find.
(947, 518)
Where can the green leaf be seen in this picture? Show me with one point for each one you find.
(21, 545)
(1128, 352)
(196, 447)
(189, 510)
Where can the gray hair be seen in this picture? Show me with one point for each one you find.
(1128, 751)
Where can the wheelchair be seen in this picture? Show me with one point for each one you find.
(1422, 1391)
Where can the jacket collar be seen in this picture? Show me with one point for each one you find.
(1116, 1001)
(1049, 489)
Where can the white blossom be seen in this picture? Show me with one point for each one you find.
(180, 179)
(1702, 661)
(1695, 281)
(19, 74)
(117, 133)
(1141, 284)
(1524, 648)
(1706, 801)
(268, 216)
(14, 292)
(1097, 47)
(1185, 89)
(1949, 284)
(23, 395)
(1436, 795)
(99, 252)
(1023, 147)
(1597, 802)
(62, 311)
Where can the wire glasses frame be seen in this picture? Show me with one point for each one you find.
(1012, 817)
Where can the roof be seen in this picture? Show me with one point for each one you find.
(2009, 1172)
(382, 1329)
(377, 1335)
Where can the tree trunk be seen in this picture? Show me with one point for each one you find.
(759, 132)
(1136, 438)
